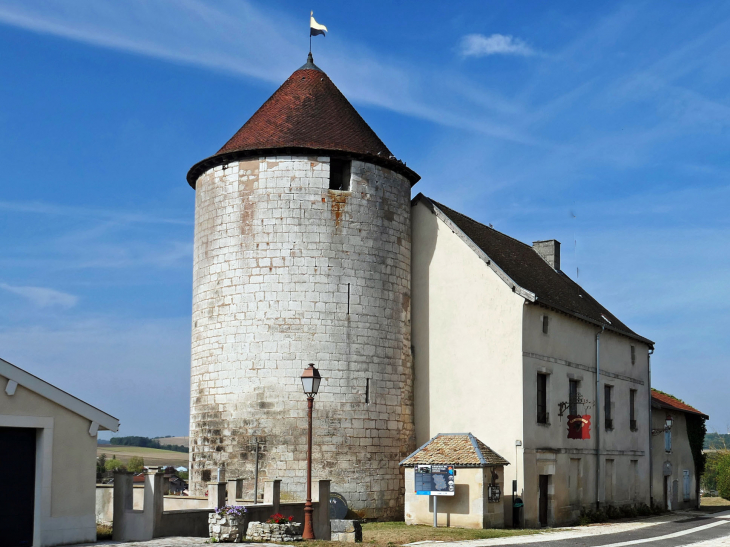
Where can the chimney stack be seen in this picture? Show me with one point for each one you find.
(549, 250)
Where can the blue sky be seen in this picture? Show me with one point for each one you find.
(603, 126)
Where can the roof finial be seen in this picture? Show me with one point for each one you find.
(310, 59)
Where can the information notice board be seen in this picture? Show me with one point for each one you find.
(435, 480)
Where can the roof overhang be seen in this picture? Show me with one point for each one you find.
(32, 383)
(528, 295)
(661, 405)
(228, 157)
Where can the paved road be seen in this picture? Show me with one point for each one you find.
(673, 531)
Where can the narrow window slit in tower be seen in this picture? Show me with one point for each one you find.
(367, 391)
(348, 299)
(340, 174)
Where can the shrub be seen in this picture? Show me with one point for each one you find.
(136, 464)
(114, 465)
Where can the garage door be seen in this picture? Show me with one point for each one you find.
(17, 475)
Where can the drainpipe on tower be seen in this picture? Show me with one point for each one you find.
(597, 420)
(651, 459)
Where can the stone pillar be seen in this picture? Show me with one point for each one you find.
(216, 494)
(154, 500)
(321, 517)
(122, 502)
(272, 493)
(234, 490)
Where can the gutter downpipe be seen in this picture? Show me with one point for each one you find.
(651, 458)
(598, 416)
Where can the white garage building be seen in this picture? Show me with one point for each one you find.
(48, 457)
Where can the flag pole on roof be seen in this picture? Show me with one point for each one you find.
(315, 29)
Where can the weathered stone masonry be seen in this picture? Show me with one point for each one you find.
(275, 250)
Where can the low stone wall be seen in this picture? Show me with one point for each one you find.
(261, 531)
(348, 531)
(105, 502)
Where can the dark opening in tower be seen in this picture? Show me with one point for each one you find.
(340, 174)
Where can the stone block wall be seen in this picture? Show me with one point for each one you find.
(275, 254)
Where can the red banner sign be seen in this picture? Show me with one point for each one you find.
(579, 427)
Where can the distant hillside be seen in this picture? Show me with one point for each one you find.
(717, 441)
(182, 441)
(146, 442)
(151, 456)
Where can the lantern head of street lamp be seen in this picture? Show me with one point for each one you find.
(311, 380)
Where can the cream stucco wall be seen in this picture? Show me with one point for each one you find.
(467, 338)
(66, 453)
(568, 351)
(467, 508)
(674, 462)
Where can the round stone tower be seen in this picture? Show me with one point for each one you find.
(303, 254)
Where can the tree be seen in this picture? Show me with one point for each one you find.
(101, 464)
(114, 465)
(723, 475)
(136, 464)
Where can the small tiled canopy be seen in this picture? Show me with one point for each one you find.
(459, 449)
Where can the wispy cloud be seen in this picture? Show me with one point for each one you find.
(123, 217)
(237, 38)
(478, 45)
(42, 297)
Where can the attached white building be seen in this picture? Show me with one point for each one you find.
(675, 482)
(510, 348)
(48, 452)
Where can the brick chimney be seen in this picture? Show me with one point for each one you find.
(549, 250)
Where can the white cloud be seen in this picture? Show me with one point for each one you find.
(478, 45)
(42, 296)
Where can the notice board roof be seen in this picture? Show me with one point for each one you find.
(459, 449)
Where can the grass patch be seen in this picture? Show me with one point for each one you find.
(713, 502)
(389, 534)
(103, 531)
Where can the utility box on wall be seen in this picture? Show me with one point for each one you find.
(474, 498)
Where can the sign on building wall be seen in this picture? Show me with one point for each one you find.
(579, 427)
(435, 480)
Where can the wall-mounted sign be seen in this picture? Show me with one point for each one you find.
(338, 506)
(435, 480)
(494, 493)
(579, 427)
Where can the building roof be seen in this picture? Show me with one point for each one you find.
(521, 267)
(462, 449)
(306, 115)
(18, 376)
(664, 400)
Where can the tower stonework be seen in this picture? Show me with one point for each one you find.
(289, 270)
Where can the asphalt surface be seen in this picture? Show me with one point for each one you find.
(710, 529)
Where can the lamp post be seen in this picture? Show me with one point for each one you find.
(310, 383)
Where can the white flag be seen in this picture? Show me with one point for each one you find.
(314, 27)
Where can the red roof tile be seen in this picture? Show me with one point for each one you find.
(307, 113)
(668, 401)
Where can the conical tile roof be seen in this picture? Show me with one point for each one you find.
(307, 114)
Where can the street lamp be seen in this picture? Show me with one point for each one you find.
(310, 383)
